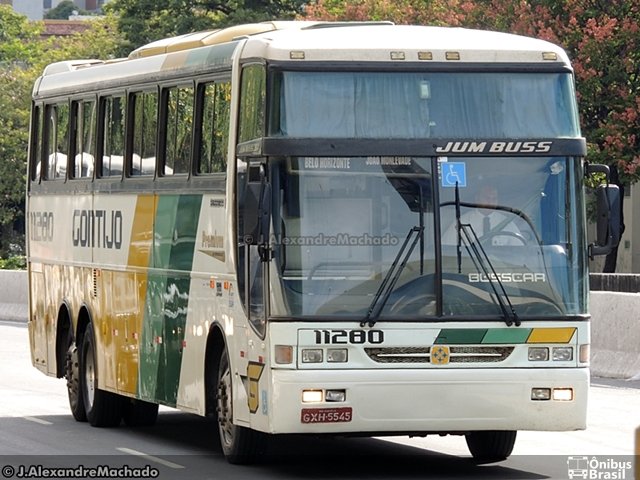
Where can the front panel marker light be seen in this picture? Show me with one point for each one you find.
(284, 354)
(335, 396)
(540, 393)
(311, 396)
(563, 394)
(585, 353)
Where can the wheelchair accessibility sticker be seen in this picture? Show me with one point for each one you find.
(452, 173)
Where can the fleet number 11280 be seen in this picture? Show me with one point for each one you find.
(357, 337)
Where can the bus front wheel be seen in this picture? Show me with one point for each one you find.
(240, 445)
(491, 446)
(104, 409)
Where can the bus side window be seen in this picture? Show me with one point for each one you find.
(178, 122)
(145, 131)
(57, 118)
(35, 144)
(252, 103)
(112, 136)
(85, 139)
(212, 137)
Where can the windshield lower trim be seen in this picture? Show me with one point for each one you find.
(458, 318)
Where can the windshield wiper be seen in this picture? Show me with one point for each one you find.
(479, 257)
(458, 230)
(386, 287)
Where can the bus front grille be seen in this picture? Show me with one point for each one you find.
(458, 354)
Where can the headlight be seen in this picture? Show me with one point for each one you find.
(562, 354)
(538, 354)
(312, 355)
(337, 355)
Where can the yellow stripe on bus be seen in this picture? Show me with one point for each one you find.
(132, 295)
(551, 335)
(142, 232)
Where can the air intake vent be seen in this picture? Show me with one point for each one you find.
(488, 354)
(95, 275)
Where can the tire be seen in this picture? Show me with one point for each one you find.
(74, 388)
(240, 445)
(104, 409)
(137, 413)
(491, 446)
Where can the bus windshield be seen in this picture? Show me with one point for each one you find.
(424, 105)
(339, 225)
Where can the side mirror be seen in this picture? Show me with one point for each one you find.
(257, 209)
(607, 221)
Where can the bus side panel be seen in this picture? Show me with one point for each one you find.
(37, 319)
(57, 248)
(109, 231)
(132, 293)
(167, 302)
(210, 298)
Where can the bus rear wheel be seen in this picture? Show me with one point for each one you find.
(491, 446)
(104, 409)
(240, 445)
(74, 390)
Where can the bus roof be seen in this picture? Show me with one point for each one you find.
(376, 42)
(300, 42)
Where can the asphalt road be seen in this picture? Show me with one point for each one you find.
(37, 431)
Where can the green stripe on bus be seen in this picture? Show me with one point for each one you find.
(456, 336)
(168, 297)
(506, 335)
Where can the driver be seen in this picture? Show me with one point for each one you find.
(487, 221)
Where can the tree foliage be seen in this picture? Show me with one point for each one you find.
(23, 56)
(143, 21)
(601, 37)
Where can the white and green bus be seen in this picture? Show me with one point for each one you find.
(272, 224)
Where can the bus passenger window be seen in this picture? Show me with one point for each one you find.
(113, 136)
(57, 141)
(85, 139)
(213, 136)
(179, 118)
(145, 129)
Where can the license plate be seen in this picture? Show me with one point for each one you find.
(326, 415)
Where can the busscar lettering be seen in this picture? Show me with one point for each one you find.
(495, 147)
(97, 229)
(508, 277)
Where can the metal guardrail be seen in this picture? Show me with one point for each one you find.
(614, 282)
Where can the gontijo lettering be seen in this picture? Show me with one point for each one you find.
(97, 228)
